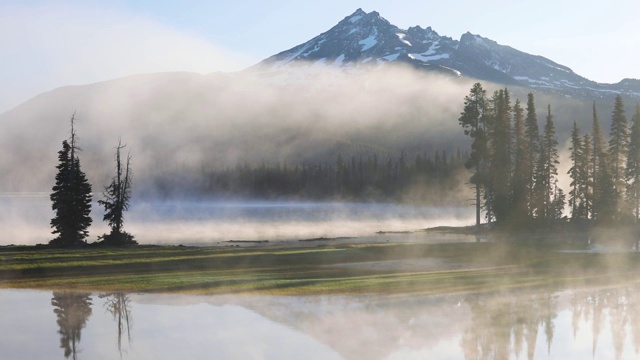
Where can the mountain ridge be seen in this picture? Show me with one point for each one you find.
(369, 39)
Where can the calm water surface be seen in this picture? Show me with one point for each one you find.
(542, 324)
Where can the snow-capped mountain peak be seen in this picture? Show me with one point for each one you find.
(369, 39)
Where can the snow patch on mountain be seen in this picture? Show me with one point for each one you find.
(401, 36)
(369, 42)
(355, 18)
(424, 58)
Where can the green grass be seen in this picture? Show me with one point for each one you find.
(474, 267)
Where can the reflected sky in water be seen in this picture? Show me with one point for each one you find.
(541, 324)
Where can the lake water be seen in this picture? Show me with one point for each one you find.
(594, 323)
(25, 218)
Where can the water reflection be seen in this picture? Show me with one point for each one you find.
(119, 306)
(598, 323)
(503, 324)
(622, 308)
(73, 311)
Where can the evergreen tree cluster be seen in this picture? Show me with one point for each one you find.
(605, 181)
(362, 178)
(71, 199)
(515, 167)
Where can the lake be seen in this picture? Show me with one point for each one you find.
(539, 323)
(25, 218)
(585, 323)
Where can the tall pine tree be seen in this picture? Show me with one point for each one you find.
(532, 146)
(71, 197)
(474, 122)
(618, 145)
(546, 171)
(500, 155)
(618, 140)
(599, 172)
(586, 176)
(633, 166)
(576, 196)
(521, 173)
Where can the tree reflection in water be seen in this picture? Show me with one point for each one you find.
(73, 311)
(520, 324)
(502, 324)
(119, 305)
(620, 305)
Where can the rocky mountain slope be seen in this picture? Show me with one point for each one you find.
(363, 39)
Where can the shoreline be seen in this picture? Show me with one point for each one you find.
(316, 267)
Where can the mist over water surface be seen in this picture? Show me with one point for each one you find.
(24, 219)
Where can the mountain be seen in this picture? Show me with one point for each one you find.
(363, 39)
(181, 125)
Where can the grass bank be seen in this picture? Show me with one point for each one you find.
(342, 269)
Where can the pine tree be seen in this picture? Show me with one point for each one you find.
(116, 201)
(633, 166)
(532, 146)
(618, 142)
(71, 197)
(546, 170)
(586, 176)
(576, 197)
(520, 178)
(473, 121)
(61, 197)
(500, 155)
(618, 145)
(598, 166)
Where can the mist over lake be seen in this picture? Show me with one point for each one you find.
(25, 217)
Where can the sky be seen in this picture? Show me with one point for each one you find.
(48, 44)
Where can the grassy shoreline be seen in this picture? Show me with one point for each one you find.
(394, 268)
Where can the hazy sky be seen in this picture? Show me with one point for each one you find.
(47, 44)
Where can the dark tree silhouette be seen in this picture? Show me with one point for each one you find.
(599, 172)
(618, 144)
(71, 197)
(546, 170)
(500, 155)
(587, 177)
(116, 201)
(520, 180)
(633, 166)
(473, 119)
(576, 195)
(532, 138)
(73, 311)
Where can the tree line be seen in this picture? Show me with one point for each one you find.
(71, 199)
(515, 165)
(368, 177)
